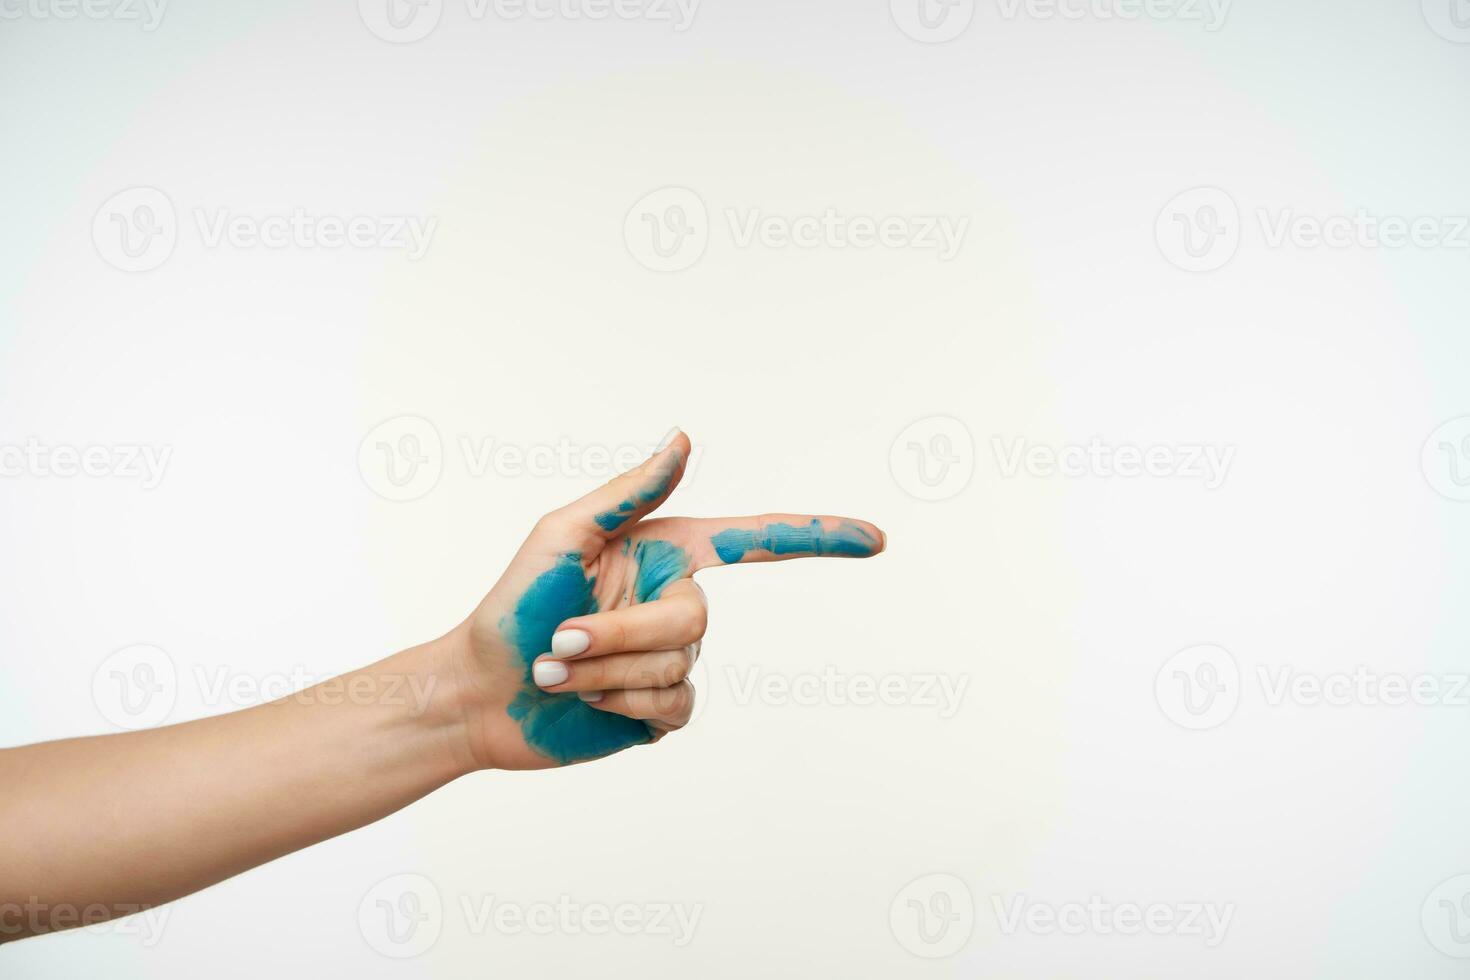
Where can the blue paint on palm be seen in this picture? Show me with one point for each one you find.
(787, 539)
(659, 563)
(561, 726)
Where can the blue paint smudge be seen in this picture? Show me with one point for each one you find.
(786, 539)
(611, 520)
(561, 726)
(659, 563)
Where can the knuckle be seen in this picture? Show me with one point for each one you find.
(551, 523)
(644, 704)
(686, 701)
(696, 621)
(591, 675)
(642, 676)
(674, 670)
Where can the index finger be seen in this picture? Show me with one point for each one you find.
(715, 541)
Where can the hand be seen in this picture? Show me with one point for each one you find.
(598, 601)
(584, 646)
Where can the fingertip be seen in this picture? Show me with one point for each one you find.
(549, 673)
(570, 642)
(677, 444)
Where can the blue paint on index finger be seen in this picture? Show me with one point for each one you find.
(847, 539)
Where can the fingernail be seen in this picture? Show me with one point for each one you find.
(549, 673)
(667, 440)
(569, 643)
(591, 697)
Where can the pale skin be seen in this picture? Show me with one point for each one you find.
(92, 828)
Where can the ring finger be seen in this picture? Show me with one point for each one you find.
(616, 671)
(664, 708)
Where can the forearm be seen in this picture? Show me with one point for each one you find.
(142, 818)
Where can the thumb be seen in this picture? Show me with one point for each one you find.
(625, 499)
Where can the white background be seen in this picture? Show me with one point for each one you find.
(810, 379)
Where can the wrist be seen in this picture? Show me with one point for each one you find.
(461, 701)
(444, 699)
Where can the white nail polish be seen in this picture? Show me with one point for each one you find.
(549, 673)
(569, 643)
(667, 440)
(591, 697)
